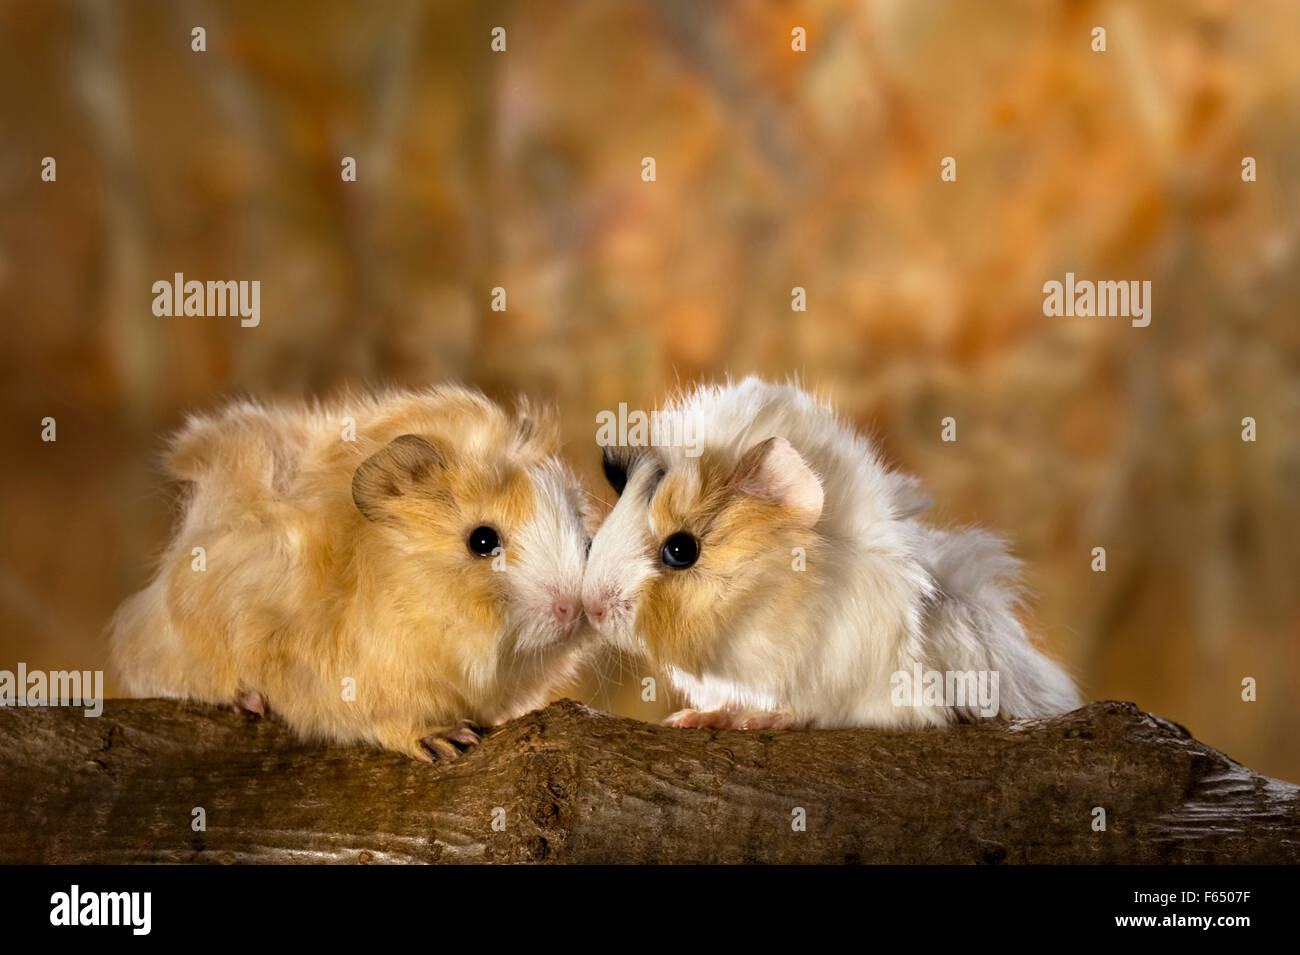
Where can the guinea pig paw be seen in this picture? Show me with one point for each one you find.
(767, 721)
(701, 719)
(448, 742)
(250, 701)
(733, 720)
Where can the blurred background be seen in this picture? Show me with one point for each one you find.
(774, 169)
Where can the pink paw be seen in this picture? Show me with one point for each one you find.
(699, 719)
(733, 720)
(250, 701)
(448, 742)
(769, 721)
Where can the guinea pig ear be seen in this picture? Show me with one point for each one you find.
(773, 471)
(392, 472)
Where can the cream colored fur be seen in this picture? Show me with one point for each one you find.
(766, 644)
(302, 593)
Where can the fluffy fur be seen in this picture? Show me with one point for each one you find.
(750, 640)
(329, 560)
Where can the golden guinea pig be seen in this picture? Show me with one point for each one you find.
(403, 585)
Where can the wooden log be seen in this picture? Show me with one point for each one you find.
(569, 784)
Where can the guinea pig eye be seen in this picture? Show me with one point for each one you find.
(483, 541)
(681, 550)
(615, 474)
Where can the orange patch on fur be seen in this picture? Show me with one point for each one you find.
(746, 546)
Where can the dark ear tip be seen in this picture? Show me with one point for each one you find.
(411, 450)
(615, 472)
(415, 442)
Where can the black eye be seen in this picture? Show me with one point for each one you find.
(681, 550)
(483, 541)
(615, 473)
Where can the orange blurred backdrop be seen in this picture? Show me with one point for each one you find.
(775, 169)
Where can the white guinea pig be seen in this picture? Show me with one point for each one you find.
(399, 586)
(767, 562)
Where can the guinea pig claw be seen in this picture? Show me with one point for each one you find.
(464, 733)
(447, 742)
(767, 721)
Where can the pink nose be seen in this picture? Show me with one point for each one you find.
(599, 602)
(565, 610)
